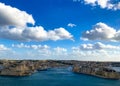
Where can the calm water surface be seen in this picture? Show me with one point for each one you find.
(57, 77)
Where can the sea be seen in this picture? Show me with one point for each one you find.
(57, 77)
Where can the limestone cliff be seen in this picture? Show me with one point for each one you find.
(99, 72)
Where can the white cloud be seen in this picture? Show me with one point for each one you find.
(13, 26)
(104, 4)
(60, 50)
(101, 31)
(98, 46)
(96, 52)
(71, 25)
(43, 51)
(39, 51)
(36, 47)
(59, 34)
(3, 47)
(90, 52)
(22, 45)
(11, 16)
(37, 33)
(12, 34)
(32, 51)
(59, 53)
(92, 2)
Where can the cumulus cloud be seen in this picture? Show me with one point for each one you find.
(22, 45)
(92, 52)
(101, 31)
(3, 47)
(11, 16)
(39, 51)
(96, 52)
(97, 46)
(37, 33)
(109, 4)
(32, 51)
(71, 25)
(59, 34)
(42, 50)
(14, 27)
(60, 50)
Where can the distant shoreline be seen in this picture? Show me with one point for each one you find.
(28, 67)
(55, 60)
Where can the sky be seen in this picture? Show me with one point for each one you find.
(87, 30)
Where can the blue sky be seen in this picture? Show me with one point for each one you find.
(60, 29)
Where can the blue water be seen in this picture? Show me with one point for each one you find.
(57, 77)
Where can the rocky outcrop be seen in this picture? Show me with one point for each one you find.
(97, 71)
(26, 67)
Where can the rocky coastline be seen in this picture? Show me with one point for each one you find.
(100, 72)
(99, 69)
(28, 67)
